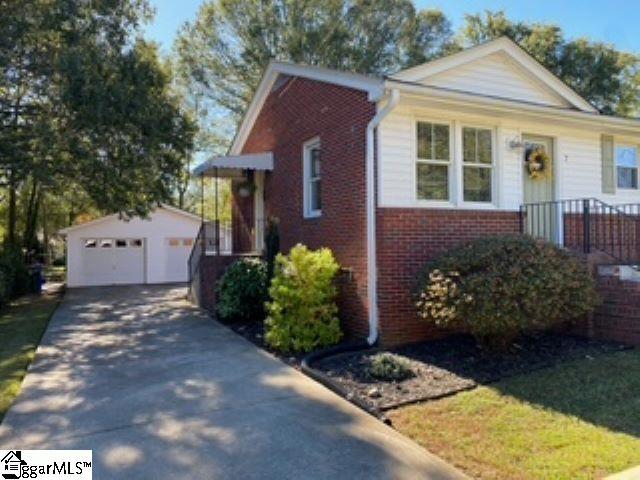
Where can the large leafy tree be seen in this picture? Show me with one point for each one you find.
(603, 75)
(86, 105)
(225, 50)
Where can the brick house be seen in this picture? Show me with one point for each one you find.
(388, 172)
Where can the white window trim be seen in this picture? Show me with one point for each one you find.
(306, 175)
(456, 165)
(626, 144)
(494, 193)
(450, 164)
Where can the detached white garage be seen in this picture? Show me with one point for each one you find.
(111, 251)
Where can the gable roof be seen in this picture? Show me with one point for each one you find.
(116, 216)
(512, 52)
(373, 86)
(565, 102)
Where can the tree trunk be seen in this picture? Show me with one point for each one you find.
(30, 240)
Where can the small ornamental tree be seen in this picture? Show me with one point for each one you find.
(242, 291)
(302, 313)
(497, 287)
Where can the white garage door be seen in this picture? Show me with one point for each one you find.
(177, 259)
(112, 261)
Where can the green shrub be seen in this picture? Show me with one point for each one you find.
(242, 291)
(302, 311)
(498, 287)
(389, 367)
(14, 275)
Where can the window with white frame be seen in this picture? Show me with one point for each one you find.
(627, 166)
(434, 158)
(477, 164)
(312, 157)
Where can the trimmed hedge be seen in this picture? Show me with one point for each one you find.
(242, 291)
(302, 313)
(497, 287)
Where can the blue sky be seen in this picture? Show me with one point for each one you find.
(613, 21)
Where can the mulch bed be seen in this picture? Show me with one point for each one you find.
(254, 332)
(444, 367)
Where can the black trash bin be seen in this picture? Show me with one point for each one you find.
(37, 277)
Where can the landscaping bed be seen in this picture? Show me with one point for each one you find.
(254, 332)
(444, 367)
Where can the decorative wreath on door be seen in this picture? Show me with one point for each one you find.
(538, 163)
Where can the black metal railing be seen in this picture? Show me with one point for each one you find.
(587, 225)
(196, 252)
(224, 238)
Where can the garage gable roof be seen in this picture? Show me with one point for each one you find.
(116, 216)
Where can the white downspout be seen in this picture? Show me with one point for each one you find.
(372, 273)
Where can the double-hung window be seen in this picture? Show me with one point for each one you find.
(627, 166)
(477, 159)
(433, 162)
(312, 158)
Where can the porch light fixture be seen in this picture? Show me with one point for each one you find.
(246, 189)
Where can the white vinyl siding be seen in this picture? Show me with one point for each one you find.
(577, 160)
(496, 76)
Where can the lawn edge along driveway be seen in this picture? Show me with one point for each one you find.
(22, 325)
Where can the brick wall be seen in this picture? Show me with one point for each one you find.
(212, 267)
(242, 218)
(618, 318)
(297, 111)
(617, 235)
(409, 237)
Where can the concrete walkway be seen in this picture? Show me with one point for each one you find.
(159, 390)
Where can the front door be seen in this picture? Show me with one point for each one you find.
(538, 190)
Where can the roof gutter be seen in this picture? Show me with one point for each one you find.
(372, 273)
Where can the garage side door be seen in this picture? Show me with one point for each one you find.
(112, 261)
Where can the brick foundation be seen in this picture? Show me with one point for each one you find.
(407, 238)
(618, 318)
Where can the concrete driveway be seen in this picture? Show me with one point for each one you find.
(159, 390)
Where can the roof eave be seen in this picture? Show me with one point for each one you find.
(371, 85)
(506, 105)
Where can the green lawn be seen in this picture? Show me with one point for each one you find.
(578, 420)
(22, 324)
